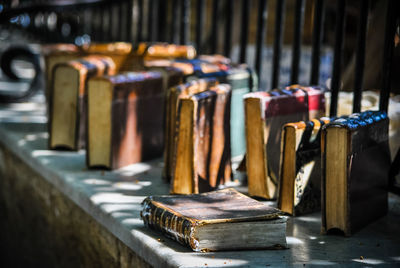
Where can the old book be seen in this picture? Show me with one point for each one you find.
(241, 79)
(266, 113)
(172, 96)
(54, 54)
(67, 114)
(201, 159)
(214, 221)
(315, 99)
(300, 167)
(125, 119)
(356, 162)
(148, 54)
(118, 51)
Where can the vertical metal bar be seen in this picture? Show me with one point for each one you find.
(199, 24)
(360, 56)
(261, 31)
(214, 27)
(121, 21)
(162, 20)
(298, 30)
(140, 21)
(319, 12)
(337, 56)
(244, 29)
(390, 30)
(150, 20)
(129, 20)
(228, 28)
(103, 23)
(174, 22)
(185, 17)
(276, 61)
(110, 8)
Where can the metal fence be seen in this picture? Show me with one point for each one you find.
(184, 22)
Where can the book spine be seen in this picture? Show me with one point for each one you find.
(171, 225)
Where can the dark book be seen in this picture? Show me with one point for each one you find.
(300, 168)
(172, 96)
(125, 115)
(219, 220)
(201, 160)
(356, 162)
(266, 113)
(67, 107)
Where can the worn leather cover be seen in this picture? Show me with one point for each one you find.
(177, 215)
(307, 164)
(368, 168)
(137, 118)
(172, 95)
(87, 67)
(211, 142)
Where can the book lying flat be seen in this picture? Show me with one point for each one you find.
(300, 167)
(356, 162)
(172, 96)
(219, 220)
(125, 119)
(201, 160)
(67, 108)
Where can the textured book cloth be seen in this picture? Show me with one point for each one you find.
(356, 162)
(125, 123)
(219, 220)
(67, 106)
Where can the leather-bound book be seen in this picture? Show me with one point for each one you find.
(241, 79)
(172, 96)
(356, 162)
(202, 156)
(216, 221)
(266, 113)
(315, 98)
(67, 114)
(300, 168)
(146, 53)
(54, 54)
(118, 51)
(125, 119)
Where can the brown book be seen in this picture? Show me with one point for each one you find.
(118, 51)
(202, 136)
(219, 220)
(356, 162)
(125, 119)
(147, 53)
(265, 115)
(300, 168)
(67, 115)
(172, 96)
(55, 54)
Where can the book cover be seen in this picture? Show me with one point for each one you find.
(219, 220)
(201, 160)
(172, 96)
(67, 107)
(125, 123)
(356, 162)
(266, 113)
(300, 167)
